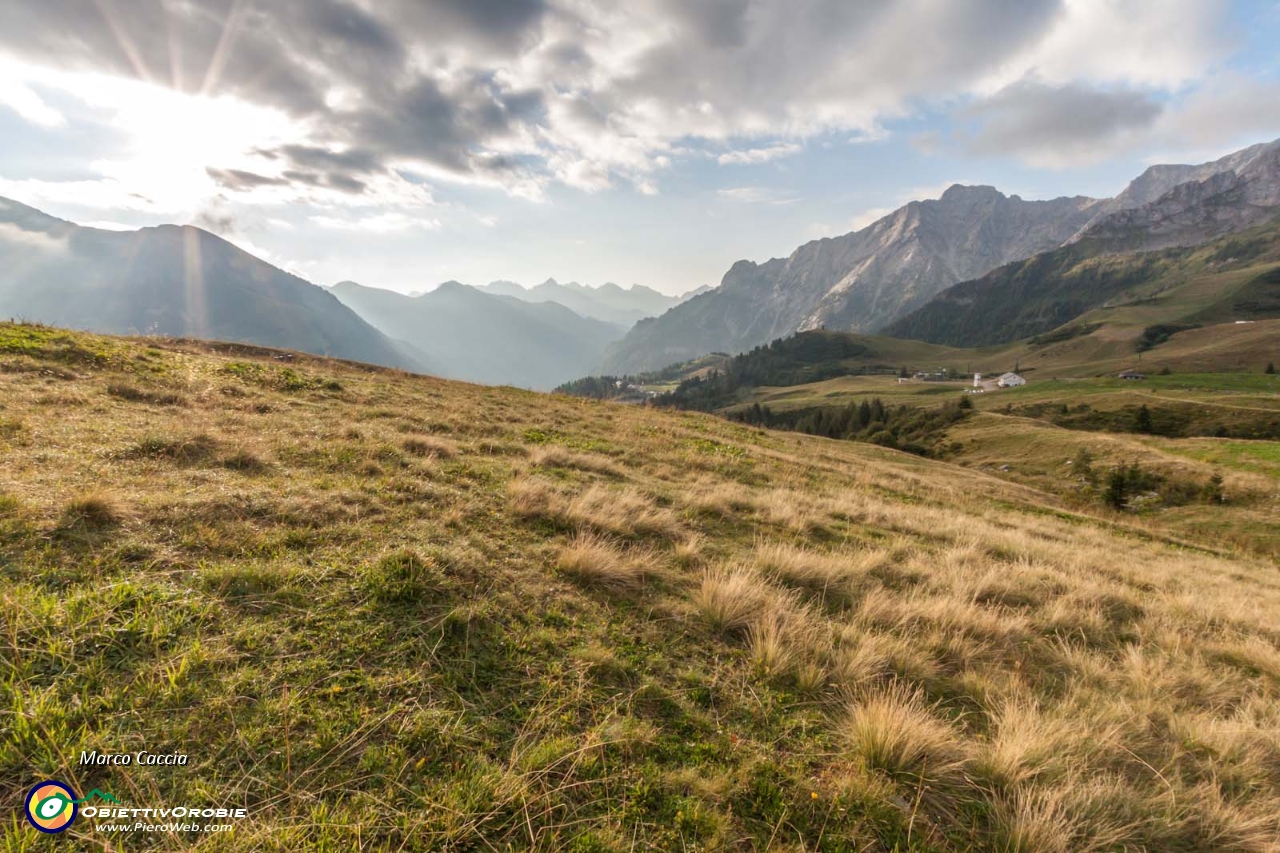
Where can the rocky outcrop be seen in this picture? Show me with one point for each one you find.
(1200, 209)
(860, 281)
(866, 280)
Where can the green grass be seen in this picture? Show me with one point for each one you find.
(1252, 456)
(344, 593)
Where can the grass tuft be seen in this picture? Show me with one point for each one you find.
(91, 514)
(895, 732)
(596, 562)
(430, 446)
(730, 599)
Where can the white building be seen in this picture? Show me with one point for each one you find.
(1010, 380)
(977, 380)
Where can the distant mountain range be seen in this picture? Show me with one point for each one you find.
(184, 281)
(482, 336)
(172, 280)
(972, 268)
(1118, 252)
(869, 279)
(608, 302)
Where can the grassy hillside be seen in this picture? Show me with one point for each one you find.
(389, 612)
(1233, 278)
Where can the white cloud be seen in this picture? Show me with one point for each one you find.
(868, 216)
(384, 223)
(26, 103)
(108, 225)
(1161, 45)
(756, 195)
(594, 95)
(1222, 114)
(759, 155)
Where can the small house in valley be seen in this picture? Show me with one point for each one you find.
(1010, 380)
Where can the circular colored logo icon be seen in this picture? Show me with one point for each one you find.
(51, 806)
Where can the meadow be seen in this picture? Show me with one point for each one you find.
(388, 612)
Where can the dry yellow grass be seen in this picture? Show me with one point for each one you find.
(598, 563)
(998, 671)
(731, 599)
(894, 731)
(551, 456)
(624, 512)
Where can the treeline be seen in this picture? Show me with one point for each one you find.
(797, 360)
(910, 428)
(609, 387)
(596, 387)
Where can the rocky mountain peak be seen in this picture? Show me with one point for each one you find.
(964, 194)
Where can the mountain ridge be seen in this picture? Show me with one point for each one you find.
(174, 280)
(476, 336)
(868, 279)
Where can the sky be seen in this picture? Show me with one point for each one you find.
(401, 143)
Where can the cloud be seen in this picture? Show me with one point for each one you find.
(385, 223)
(29, 105)
(1057, 126)
(517, 94)
(759, 155)
(1223, 113)
(40, 241)
(238, 179)
(755, 195)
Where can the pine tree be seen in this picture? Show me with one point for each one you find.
(1142, 423)
(864, 414)
(1115, 495)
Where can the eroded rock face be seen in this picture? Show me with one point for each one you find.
(1201, 209)
(860, 281)
(865, 280)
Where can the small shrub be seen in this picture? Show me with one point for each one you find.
(1212, 492)
(1142, 420)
